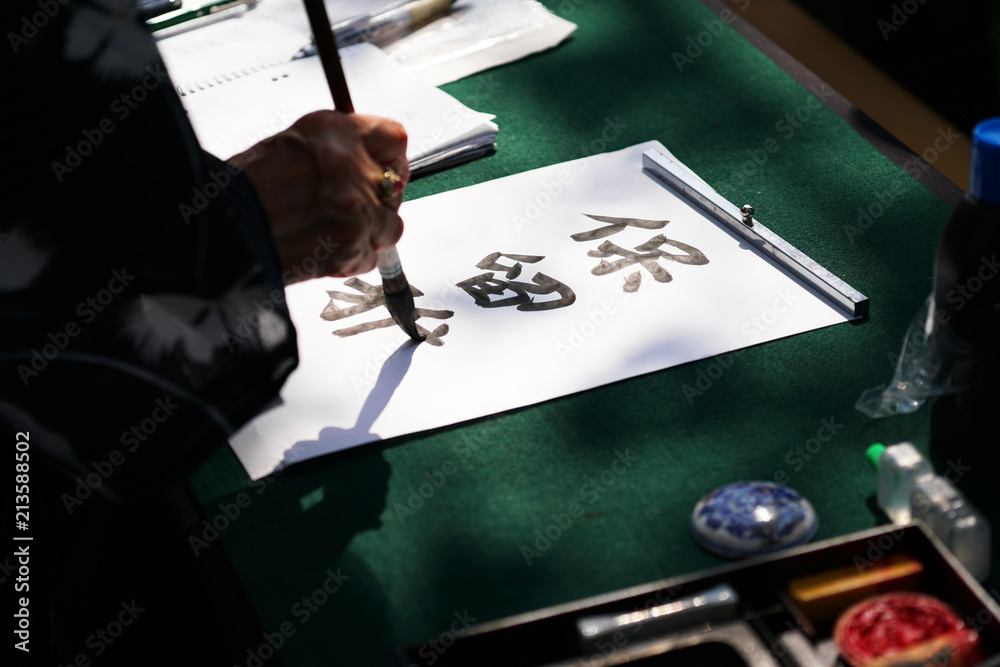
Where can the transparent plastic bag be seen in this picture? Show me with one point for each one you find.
(933, 361)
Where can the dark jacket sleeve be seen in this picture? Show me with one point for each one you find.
(142, 313)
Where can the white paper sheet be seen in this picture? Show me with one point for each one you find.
(352, 390)
(236, 44)
(477, 35)
(235, 114)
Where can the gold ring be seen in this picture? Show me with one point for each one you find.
(392, 186)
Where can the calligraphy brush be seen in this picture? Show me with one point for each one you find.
(398, 296)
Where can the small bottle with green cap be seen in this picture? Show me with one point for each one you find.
(898, 467)
(908, 490)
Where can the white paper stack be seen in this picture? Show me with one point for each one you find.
(239, 85)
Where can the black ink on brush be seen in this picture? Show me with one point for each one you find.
(398, 297)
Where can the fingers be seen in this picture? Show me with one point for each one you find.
(352, 252)
(353, 141)
(382, 144)
(321, 179)
(354, 190)
(385, 141)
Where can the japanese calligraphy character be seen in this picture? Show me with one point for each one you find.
(370, 297)
(649, 252)
(481, 287)
(615, 225)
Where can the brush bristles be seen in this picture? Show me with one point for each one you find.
(399, 301)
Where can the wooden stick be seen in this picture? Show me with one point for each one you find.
(326, 48)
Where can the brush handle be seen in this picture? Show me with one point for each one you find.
(389, 267)
(388, 263)
(326, 48)
(398, 295)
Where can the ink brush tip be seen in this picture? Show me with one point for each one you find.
(403, 312)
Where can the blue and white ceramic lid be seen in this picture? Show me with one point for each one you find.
(750, 518)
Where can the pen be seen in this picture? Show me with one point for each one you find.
(184, 15)
(398, 296)
(148, 9)
(382, 25)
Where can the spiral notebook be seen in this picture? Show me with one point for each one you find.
(239, 85)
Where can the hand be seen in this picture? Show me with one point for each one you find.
(320, 180)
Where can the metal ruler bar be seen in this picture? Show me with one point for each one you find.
(835, 290)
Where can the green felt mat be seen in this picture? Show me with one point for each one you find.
(409, 575)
